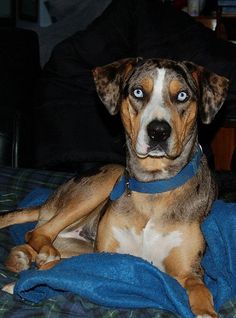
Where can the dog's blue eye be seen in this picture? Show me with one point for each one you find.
(138, 93)
(182, 96)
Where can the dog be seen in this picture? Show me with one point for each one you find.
(153, 207)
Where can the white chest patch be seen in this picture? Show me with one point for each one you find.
(149, 244)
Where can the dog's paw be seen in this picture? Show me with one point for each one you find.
(47, 254)
(9, 288)
(17, 261)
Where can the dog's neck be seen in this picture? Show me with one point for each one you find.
(150, 168)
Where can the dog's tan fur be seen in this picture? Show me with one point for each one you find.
(80, 218)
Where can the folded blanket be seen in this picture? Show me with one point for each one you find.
(125, 281)
(113, 280)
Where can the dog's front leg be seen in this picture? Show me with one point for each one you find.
(81, 197)
(188, 272)
(184, 264)
(200, 298)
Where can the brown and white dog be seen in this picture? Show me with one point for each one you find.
(159, 101)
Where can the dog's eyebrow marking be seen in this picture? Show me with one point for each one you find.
(175, 86)
(148, 244)
(147, 84)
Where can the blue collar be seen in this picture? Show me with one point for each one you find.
(158, 186)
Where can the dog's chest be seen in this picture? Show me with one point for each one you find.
(149, 244)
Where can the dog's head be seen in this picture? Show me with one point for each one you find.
(159, 100)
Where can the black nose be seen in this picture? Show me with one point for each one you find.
(158, 131)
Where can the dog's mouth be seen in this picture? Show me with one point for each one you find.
(159, 151)
(154, 152)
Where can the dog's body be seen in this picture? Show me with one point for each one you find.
(159, 101)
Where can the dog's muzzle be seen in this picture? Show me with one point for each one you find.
(154, 139)
(158, 133)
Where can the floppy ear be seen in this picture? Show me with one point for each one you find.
(110, 79)
(213, 91)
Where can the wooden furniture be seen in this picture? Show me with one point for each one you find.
(224, 141)
(224, 145)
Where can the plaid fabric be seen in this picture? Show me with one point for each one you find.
(14, 185)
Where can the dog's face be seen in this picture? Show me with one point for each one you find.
(159, 101)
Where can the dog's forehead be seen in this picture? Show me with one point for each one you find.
(151, 69)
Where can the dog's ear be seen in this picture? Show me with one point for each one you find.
(212, 91)
(110, 79)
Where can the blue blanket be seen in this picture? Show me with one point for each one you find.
(125, 281)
